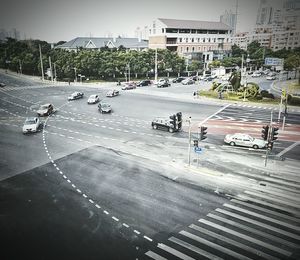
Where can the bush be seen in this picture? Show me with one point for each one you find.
(293, 100)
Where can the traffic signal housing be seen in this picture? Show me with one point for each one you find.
(270, 145)
(203, 133)
(173, 121)
(265, 132)
(274, 133)
(179, 120)
(196, 142)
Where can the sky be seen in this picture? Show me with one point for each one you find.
(56, 20)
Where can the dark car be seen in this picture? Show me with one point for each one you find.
(45, 110)
(178, 80)
(104, 107)
(145, 82)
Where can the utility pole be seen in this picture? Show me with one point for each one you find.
(51, 72)
(75, 71)
(41, 62)
(155, 69)
(20, 64)
(189, 146)
(269, 137)
(55, 71)
(129, 72)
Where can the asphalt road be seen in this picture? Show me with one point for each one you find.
(89, 185)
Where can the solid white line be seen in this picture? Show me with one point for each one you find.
(220, 110)
(174, 252)
(155, 256)
(288, 149)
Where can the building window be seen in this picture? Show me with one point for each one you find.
(181, 49)
(208, 39)
(193, 49)
(202, 31)
(203, 40)
(180, 39)
(187, 49)
(171, 30)
(184, 30)
(186, 39)
(163, 30)
(192, 39)
(193, 31)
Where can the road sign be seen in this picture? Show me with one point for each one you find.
(274, 62)
(198, 150)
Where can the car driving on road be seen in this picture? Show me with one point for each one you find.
(45, 110)
(112, 93)
(188, 81)
(145, 82)
(128, 86)
(244, 140)
(31, 125)
(104, 107)
(163, 83)
(75, 95)
(93, 99)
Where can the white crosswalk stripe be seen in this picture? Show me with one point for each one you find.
(239, 230)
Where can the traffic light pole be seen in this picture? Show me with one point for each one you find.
(189, 146)
(269, 137)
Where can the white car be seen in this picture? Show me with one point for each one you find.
(244, 140)
(93, 99)
(31, 125)
(112, 93)
(271, 77)
(256, 74)
(75, 95)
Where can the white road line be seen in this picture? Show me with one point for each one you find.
(194, 248)
(155, 256)
(68, 181)
(220, 110)
(174, 252)
(137, 232)
(213, 245)
(148, 238)
(253, 230)
(125, 225)
(73, 186)
(84, 195)
(60, 172)
(288, 149)
(91, 201)
(57, 168)
(251, 213)
(106, 212)
(248, 238)
(78, 190)
(114, 218)
(65, 177)
(257, 223)
(97, 206)
(231, 242)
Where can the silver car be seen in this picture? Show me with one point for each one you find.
(244, 140)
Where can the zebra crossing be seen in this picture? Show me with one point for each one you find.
(261, 223)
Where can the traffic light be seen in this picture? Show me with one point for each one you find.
(196, 142)
(173, 120)
(270, 145)
(203, 133)
(179, 119)
(265, 132)
(274, 133)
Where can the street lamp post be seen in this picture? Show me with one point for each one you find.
(189, 146)
(75, 71)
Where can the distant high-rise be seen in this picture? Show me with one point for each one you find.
(229, 18)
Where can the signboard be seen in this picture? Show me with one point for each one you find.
(198, 150)
(274, 62)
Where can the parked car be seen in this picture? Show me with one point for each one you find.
(104, 107)
(112, 93)
(244, 140)
(178, 80)
(31, 125)
(145, 82)
(188, 81)
(93, 99)
(45, 110)
(75, 95)
(130, 85)
(271, 77)
(163, 83)
(256, 74)
(2, 85)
